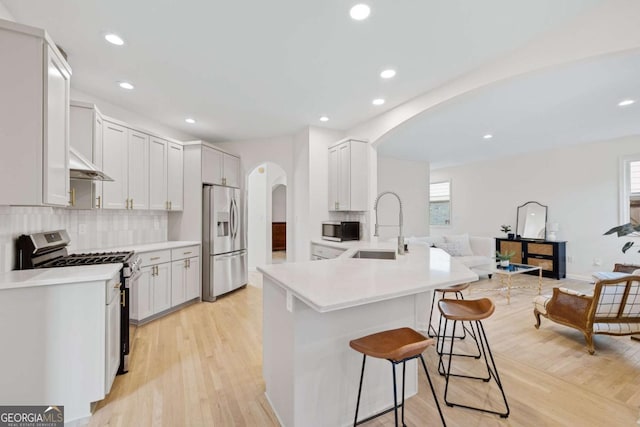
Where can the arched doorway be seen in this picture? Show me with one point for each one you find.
(266, 182)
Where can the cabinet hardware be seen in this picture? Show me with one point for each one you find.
(186, 253)
(123, 301)
(126, 204)
(72, 202)
(153, 258)
(188, 263)
(131, 203)
(169, 204)
(99, 204)
(224, 181)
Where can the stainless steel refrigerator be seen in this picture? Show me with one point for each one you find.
(224, 266)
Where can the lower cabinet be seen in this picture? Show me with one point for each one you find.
(168, 278)
(112, 336)
(319, 252)
(550, 256)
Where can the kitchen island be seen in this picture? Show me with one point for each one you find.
(313, 309)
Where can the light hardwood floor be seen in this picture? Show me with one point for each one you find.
(202, 366)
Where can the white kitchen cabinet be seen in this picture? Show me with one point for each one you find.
(185, 274)
(319, 252)
(86, 133)
(349, 176)
(115, 164)
(112, 349)
(175, 177)
(161, 283)
(138, 170)
(158, 173)
(166, 178)
(220, 168)
(141, 296)
(34, 118)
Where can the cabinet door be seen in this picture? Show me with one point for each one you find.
(115, 165)
(158, 174)
(192, 279)
(143, 297)
(178, 273)
(162, 288)
(344, 177)
(211, 166)
(98, 142)
(112, 349)
(56, 143)
(359, 176)
(175, 175)
(333, 179)
(512, 246)
(138, 170)
(231, 170)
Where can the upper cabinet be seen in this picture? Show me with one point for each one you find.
(115, 164)
(348, 176)
(138, 170)
(220, 168)
(34, 118)
(166, 179)
(86, 132)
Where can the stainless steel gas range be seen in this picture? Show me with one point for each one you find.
(49, 250)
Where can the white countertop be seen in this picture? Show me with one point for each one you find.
(147, 247)
(344, 282)
(57, 276)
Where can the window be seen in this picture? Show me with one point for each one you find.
(630, 190)
(440, 203)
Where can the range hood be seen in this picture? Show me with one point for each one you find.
(81, 168)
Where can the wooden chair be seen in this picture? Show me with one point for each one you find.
(613, 309)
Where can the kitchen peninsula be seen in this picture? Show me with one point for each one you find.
(313, 309)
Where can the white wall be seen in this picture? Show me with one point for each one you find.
(279, 204)
(256, 217)
(300, 237)
(4, 13)
(578, 183)
(410, 180)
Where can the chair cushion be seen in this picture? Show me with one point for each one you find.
(616, 328)
(540, 303)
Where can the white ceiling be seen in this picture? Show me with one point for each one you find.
(572, 104)
(255, 68)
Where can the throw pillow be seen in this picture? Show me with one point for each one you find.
(463, 243)
(452, 248)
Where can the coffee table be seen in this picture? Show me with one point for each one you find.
(506, 277)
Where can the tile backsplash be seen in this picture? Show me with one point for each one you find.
(87, 229)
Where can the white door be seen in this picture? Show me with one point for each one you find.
(231, 171)
(56, 146)
(162, 288)
(192, 279)
(158, 174)
(115, 165)
(333, 179)
(344, 177)
(175, 176)
(178, 273)
(138, 170)
(211, 166)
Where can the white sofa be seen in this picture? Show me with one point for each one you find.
(482, 249)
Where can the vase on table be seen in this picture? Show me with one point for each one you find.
(504, 263)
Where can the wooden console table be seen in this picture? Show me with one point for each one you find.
(549, 256)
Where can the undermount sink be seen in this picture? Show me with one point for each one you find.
(375, 254)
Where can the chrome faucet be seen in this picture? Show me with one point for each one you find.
(400, 237)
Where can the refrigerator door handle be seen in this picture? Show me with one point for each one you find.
(235, 218)
(231, 218)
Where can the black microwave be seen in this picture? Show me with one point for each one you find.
(340, 231)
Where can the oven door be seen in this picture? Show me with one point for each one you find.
(332, 231)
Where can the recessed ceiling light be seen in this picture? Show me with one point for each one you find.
(488, 136)
(324, 119)
(626, 102)
(114, 39)
(387, 74)
(126, 85)
(360, 12)
(190, 120)
(378, 101)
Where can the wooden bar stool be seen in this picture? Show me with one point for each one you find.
(397, 346)
(472, 311)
